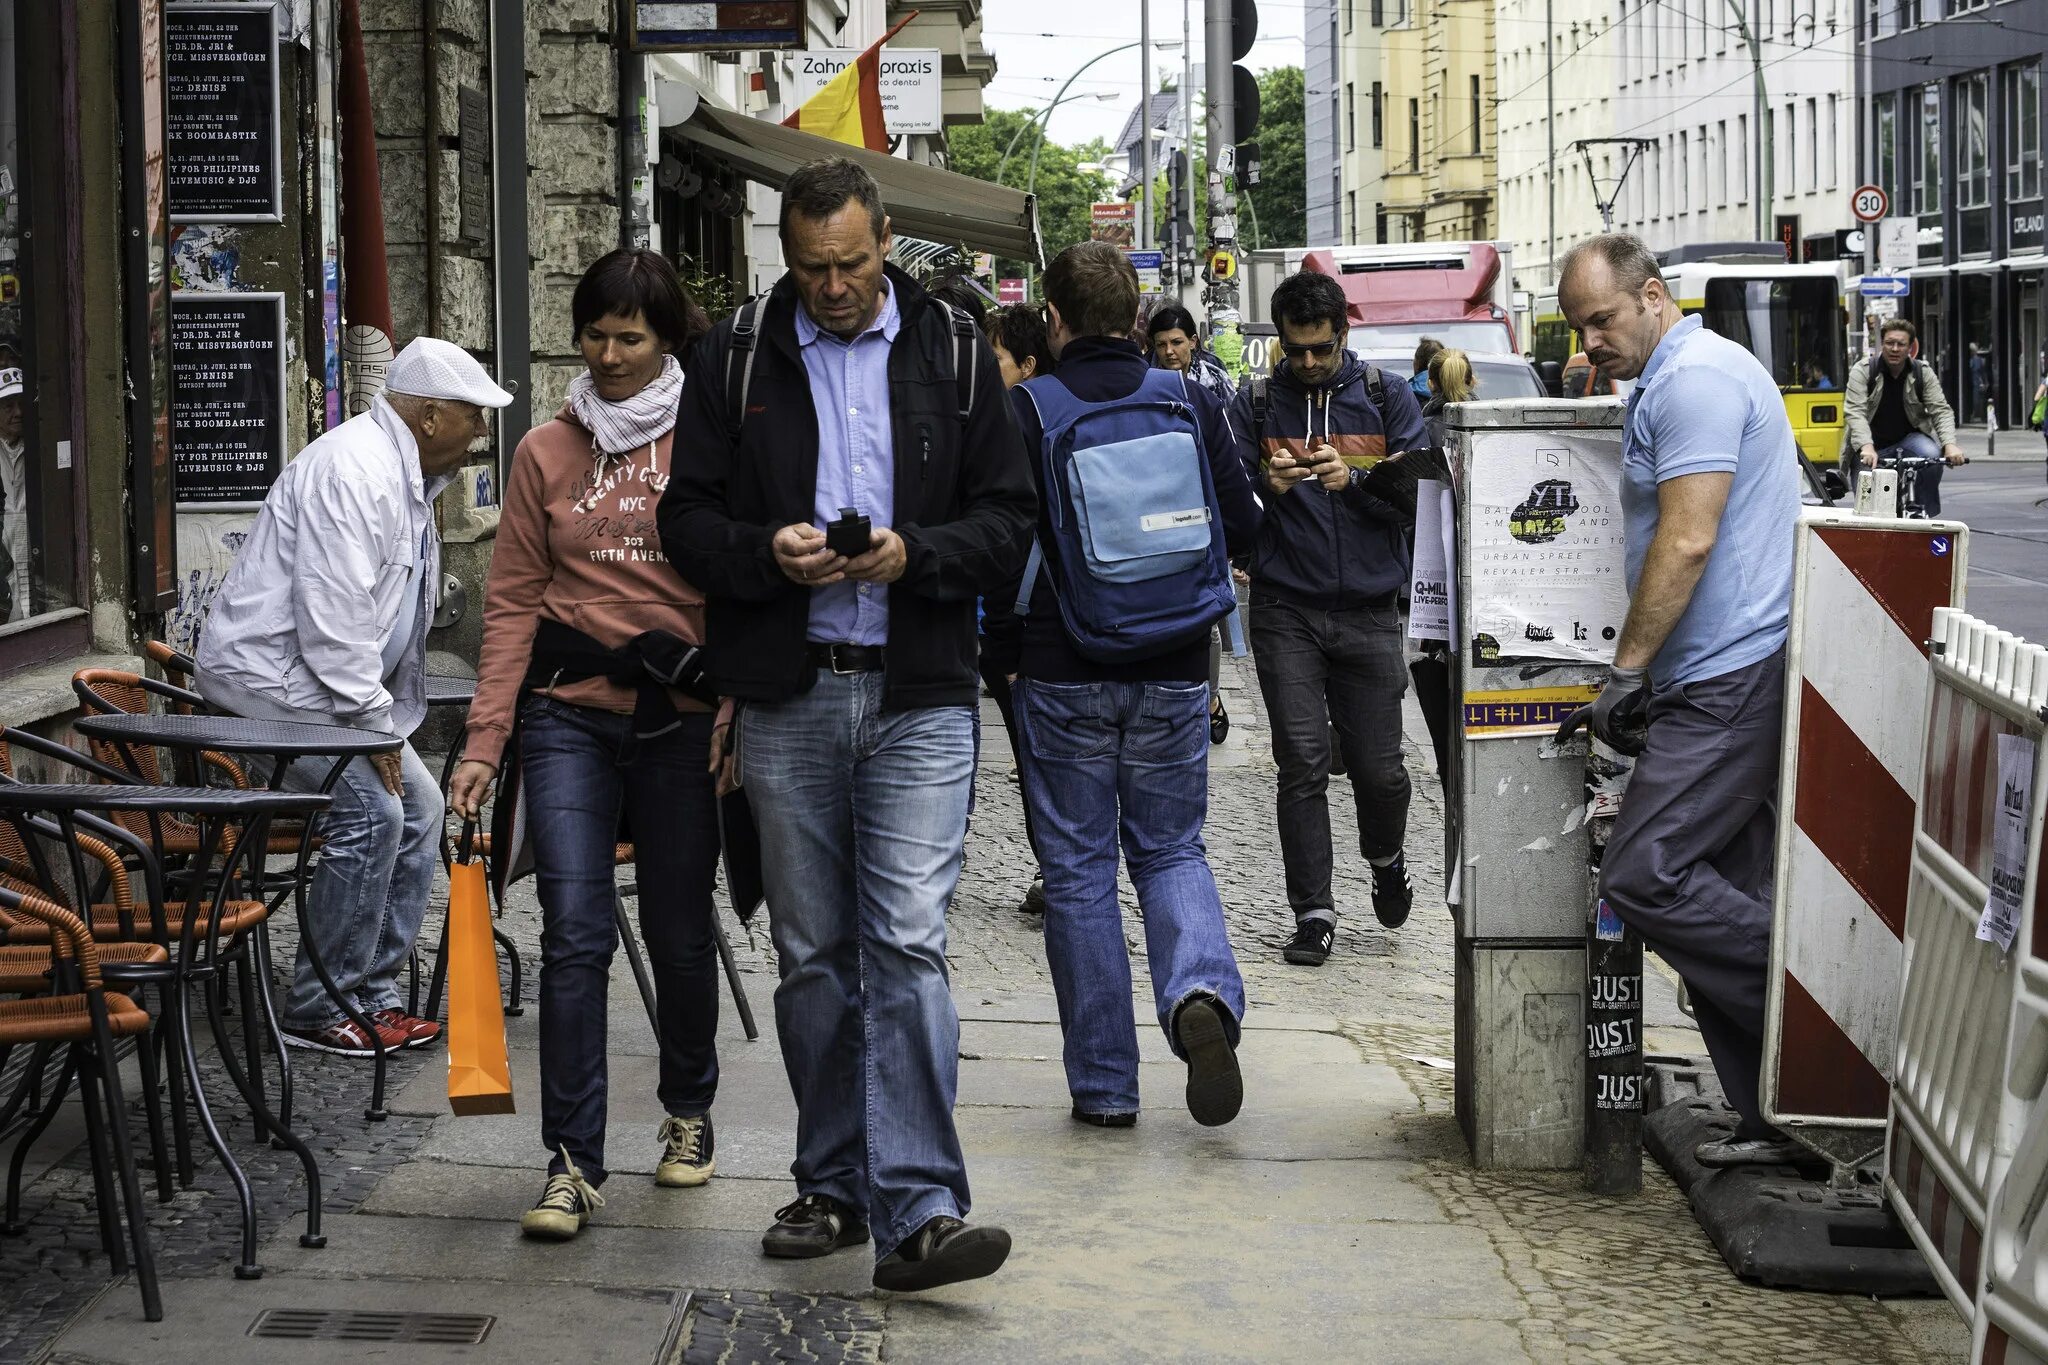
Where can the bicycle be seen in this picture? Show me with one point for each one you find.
(1910, 467)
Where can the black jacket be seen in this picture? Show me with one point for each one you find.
(1095, 370)
(963, 501)
(1330, 551)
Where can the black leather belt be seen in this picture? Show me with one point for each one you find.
(846, 658)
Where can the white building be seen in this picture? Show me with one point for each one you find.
(1345, 120)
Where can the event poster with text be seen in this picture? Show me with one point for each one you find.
(1546, 545)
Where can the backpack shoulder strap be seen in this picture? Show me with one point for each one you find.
(966, 359)
(1376, 386)
(746, 334)
(1261, 403)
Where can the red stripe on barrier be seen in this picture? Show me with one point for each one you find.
(1973, 1254)
(1901, 1145)
(1977, 800)
(1994, 1345)
(1944, 749)
(1893, 566)
(1854, 811)
(1820, 1069)
(1936, 1227)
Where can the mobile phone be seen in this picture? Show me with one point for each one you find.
(848, 536)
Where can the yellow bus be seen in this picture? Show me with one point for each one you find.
(1791, 317)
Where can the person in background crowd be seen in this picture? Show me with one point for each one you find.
(2037, 417)
(16, 595)
(962, 293)
(1814, 376)
(1583, 380)
(1328, 569)
(323, 618)
(1176, 344)
(1450, 381)
(1895, 407)
(580, 615)
(1017, 334)
(1418, 382)
(1114, 749)
(1709, 496)
(856, 678)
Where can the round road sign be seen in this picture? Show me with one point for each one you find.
(1869, 203)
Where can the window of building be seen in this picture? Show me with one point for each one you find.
(1414, 135)
(1783, 134)
(1478, 120)
(1379, 226)
(2023, 131)
(1379, 114)
(1927, 182)
(1742, 159)
(1720, 172)
(1812, 166)
(1379, 14)
(1885, 140)
(1350, 117)
(1973, 162)
(1351, 215)
(1348, 16)
(1834, 141)
(1684, 196)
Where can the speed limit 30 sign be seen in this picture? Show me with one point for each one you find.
(1869, 203)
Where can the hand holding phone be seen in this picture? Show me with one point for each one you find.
(849, 535)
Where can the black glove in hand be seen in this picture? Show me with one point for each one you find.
(1620, 716)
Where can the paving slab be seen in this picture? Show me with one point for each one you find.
(210, 1320)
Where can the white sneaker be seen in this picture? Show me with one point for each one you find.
(686, 1156)
(564, 1206)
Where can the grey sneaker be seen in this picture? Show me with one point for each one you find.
(1724, 1152)
(686, 1156)
(564, 1206)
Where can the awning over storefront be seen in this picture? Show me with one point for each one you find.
(923, 201)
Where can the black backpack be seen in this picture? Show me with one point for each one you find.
(1262, 400)
(746, 334)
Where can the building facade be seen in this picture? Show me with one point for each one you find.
(1434, 104)
(1953, 135)
(1345, 117)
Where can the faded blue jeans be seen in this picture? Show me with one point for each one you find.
(862, 816)
(1125, 761)
(370, 889)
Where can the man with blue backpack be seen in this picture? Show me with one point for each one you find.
(1143, 493)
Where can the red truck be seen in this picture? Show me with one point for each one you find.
(1458, 292)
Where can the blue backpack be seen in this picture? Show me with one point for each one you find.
(1141, 564)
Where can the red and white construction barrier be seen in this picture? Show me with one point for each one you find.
(1865, 593)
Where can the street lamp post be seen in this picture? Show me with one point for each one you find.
(1032, 180)
(1044, 114)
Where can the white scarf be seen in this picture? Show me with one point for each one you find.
(623, 427)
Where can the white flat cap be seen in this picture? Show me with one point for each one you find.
(432, 368)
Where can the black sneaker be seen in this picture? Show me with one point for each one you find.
(564, 1206)
(815, 1225)
(1310, 946)
(1215, 1089)
(1392, 893)
(1125, 1119)
(1034, 897)
(943, 1251)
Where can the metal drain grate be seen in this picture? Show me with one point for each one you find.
(341, 1324)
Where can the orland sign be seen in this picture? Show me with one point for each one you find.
(911, 82)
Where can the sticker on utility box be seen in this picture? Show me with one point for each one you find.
(1537, 711)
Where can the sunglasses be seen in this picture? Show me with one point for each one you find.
(1318, 349)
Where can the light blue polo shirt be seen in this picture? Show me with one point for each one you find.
(1704, 405)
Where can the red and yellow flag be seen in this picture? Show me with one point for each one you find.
(849, 108)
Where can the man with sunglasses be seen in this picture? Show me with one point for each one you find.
(1327, 571)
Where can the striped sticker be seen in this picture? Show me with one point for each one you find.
(1539, 711)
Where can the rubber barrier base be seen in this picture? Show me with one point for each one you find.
(1776, 1225)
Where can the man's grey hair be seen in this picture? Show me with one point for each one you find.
(1633, 264)
(819, 189)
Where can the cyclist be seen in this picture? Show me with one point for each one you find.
(1896, 410)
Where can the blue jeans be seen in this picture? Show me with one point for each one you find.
(576, 789)
(862, 815)
(370, 890)
(1103, 760)
(1927, 483)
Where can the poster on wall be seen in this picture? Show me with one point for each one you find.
(227, 368)
(221, 67)
(1114, 222)
(1545, 547)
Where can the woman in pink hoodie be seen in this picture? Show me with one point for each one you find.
(581, 612)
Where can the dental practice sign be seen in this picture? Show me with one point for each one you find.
(911, 82)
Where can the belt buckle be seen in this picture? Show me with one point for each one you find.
(837, 671)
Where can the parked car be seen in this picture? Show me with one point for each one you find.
(1494, 375)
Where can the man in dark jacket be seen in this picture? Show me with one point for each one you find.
(851, 388)
(1122, 749)
(1327, 575)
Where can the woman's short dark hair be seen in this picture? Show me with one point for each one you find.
(1306, 298)
(1173, 318)
(628, 281)
(1019, 328)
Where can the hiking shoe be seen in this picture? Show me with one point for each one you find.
(1034, 896)
(564, 1205)
(1729, 1151)
(1215, 1089)
(416, 1031)
(943, 1251)
(815, 1225)
(1311, 944)
(1125, 1119)
(1393, 895)
(686, 1152)
(344, 1038)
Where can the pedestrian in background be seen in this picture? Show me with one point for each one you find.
(1328, 569)
(860, 409)
(1710, 495)
(1450, 381)
(582, 617)
(1175, 343)
(1418, 382)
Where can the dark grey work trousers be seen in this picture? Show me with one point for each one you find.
(1324, 668)
(1689, 862)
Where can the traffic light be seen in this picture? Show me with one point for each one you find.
(1244, 87)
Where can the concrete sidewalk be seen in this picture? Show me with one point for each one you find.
(1337, 1219)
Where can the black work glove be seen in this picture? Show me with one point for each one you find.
(1620, 716)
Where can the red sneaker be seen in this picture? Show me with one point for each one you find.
(345, 1038)
(415, 1031)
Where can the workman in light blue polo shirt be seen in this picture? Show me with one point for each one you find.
(1710, 495)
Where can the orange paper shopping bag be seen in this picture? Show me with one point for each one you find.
(479, 1073)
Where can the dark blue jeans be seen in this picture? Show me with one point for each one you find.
(1122, 762)
(576, 790)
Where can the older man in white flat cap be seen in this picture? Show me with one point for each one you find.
(324, 619)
